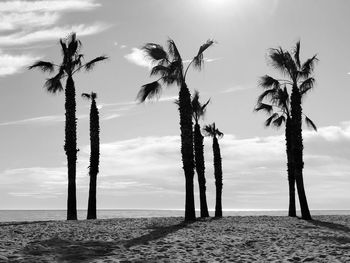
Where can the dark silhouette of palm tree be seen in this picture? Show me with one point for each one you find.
(278, 110)
(169, 66)
(212, 131)
(298, 77)
(94, 153)
(71, 64)
(199, 110)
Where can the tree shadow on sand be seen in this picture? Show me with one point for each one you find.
(331, 226)
(64, 250)
(157, 233)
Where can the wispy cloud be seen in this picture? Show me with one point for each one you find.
(25, 38)
(10, 64)
(50, 119)
(139, 58)
(236, 89)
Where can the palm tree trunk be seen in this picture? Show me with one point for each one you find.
(94, 159)
(71, 148)
(297, 150)
(200, 168)
(290, 169)
(185, 109)
(218, 177)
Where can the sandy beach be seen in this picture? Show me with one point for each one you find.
(234, 239)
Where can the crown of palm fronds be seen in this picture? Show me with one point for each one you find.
(168, 66)
(198, 109)
(212, 131)
(89, 96)
(72, 63)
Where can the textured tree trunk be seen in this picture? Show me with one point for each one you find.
(200, 168)
(71, 148)
(94, 159)
(185, 109)
(290, 169)
(297, 151)
(218, 177)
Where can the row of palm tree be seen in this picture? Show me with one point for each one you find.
(71, 64)
(283, 105)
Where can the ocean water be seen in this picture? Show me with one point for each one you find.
(45, 215)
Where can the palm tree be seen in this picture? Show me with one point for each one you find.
(199, 112)
(298, 77)
(212, 131)
(94, 153)
(279, 114)
(71, 64)
(169, 66)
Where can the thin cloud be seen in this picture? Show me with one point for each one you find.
(50, 119)
(25, 38)
(44, 6)
(236, 89)
(11, 64)
(139, 58)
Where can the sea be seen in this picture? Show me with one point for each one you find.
(47, 215)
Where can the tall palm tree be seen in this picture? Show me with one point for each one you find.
(278, 110)
(199, 110)
(212, 131)
(72, 63)
(94, 153)
(170, 67)
(299, 77)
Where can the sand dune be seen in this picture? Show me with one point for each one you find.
(235, 239)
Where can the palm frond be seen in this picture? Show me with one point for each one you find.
(90, 65)
(270, 93)
(161, 70)
(64, 47)
(173, 51)
(219, 133)
(307, 85)
(149, 91)
(278, 121)
(54, 85)
(198, 59)
(296, 52)
(308, 67)
(43, 65)
(267, 82)
(310, 123)
(278, 60)
(270, 119)
(155, 51)
(264, 107)
(86, 96)
(209, 130)
(74, 44)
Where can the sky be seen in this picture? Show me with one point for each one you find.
(140, 164)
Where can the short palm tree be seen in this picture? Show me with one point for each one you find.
(170, 68)
(299, 77)
(278, 110)
(212, 131)
(94, 153)
(199, 110)
(72, 63)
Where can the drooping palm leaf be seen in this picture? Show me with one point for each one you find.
(149, 91)
(268, 82)
(270, 119)
(173, 51)
(267, 94)
(90, 65)
(43, 65)
(86, 96)
(264, 107)
(198, 59)
(308, 67)
(54, 85)
(160, 70)
(278, 121)
(307, 85)
(310, 123)
(278, 60)
(155, 52)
